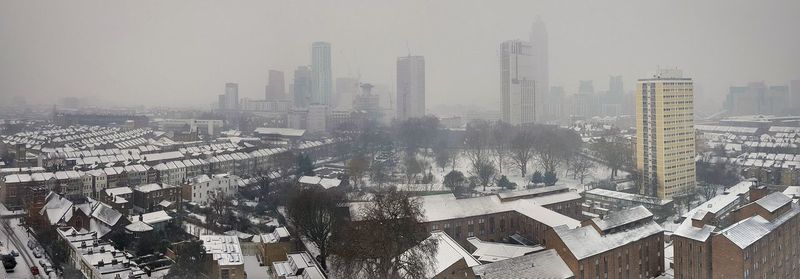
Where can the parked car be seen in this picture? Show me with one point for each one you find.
(45, 266)
(37, 253)
(34, 270)
(14, 253)
(31, 244)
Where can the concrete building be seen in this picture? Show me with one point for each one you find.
(410, 87)
(519, 99)
(316, 120)
(276, 88)
(368, 102)
(229, 100)
(302, 87)
(321, 82)
(624, 244)
(665, 134)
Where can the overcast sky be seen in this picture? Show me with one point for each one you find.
(180, 53)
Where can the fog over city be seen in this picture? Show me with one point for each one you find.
(180, 53)
(355, 139)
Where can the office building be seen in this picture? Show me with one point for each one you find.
(302, 87)
(230, 100)
(321, 83)
(665, 134)
(517, 83)
(276, 88)
(410, 87)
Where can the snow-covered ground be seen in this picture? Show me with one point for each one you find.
(23, 269)
(599, 172)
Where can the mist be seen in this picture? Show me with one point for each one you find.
(181, 53)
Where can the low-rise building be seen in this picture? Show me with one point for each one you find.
(200, 188)
(544, 264)
(624, 244)
(297, 266)
(149, 197)
(224, 256)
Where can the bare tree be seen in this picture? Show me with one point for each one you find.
(386, 239)
(522, 150)
(485, 171)
(553, 146)
(314, 212)
(357, 167)
(219, 204)
(615, 155)
(581, 166)
(454, 181)
(501, 133)
(412, 168)
(442, 154)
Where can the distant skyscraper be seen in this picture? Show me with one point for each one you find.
(346, 90)
(302, 87)
(321, 83)
(615, 86)
(276, 89)
(410, 87)
(230, 100)
(665, 134)
(517, 84)
(540, 66)
(586, 87)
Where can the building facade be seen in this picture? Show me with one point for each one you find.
(410, 87)
(665, 134)
(276, 89)
(517, 83)
(302, 87)
(321, 83)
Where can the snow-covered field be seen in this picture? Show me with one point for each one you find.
(599, 172)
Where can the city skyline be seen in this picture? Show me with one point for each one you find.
(582, 47)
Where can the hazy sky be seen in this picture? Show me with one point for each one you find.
(182, 52)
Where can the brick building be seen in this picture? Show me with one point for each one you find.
(487, 217)
(762, 243)
(624, 244)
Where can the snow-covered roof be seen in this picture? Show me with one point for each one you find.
(545, 264)
(532, 192)
(792, 191)
(106, 214)
(447, 207)
(688, 231)
(627, 196)
(152, 218)
(448, 252)
(622, 217)
(138, 226)
(748, 231)
(716, 204)
(224, 249)
(497, 251)
(774, 201)
(281, 132)
(118, 191)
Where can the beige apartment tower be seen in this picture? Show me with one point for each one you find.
(665, 134)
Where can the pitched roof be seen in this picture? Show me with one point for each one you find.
(545, 264)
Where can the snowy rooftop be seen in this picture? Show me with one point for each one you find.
(748, 231)
(152, 218)
(298, 261)
(532, 192)
(225, 249)
(448, 252)
(622, 218)
(281, 132)
(446, 207)
(118, 191)
(545, 264)
(792, 191)
(715, 204)
(586, 241)
(496, 251)
(774, 201)
(688, 231)
(627, 196)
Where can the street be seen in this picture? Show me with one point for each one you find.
(15, 238)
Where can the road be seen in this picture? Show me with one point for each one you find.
(16, 238)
